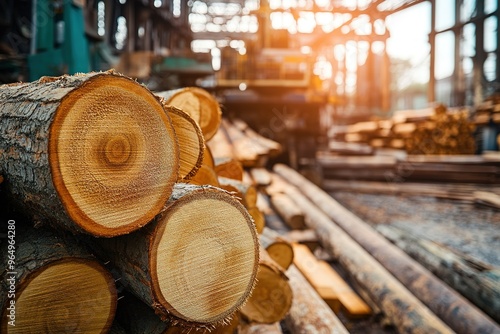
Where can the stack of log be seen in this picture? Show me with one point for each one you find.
(413, 299)
(428, 131)
(101, 167)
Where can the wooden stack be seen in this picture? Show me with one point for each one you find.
(427, 131)
(488, 111)
(102, 163)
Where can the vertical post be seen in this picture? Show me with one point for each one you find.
(497, 51)
(458, 97)
(131, 27)
(431, 94)
(480, 56)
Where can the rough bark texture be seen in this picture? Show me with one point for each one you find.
(135, 317)
(137, 255)
(37, 249)
(478, 282)
(456, 311)
(288, 211)
(256, 328)
(309, 313)
(30, 114)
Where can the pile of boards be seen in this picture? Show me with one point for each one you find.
(489, 111)
(436, 130)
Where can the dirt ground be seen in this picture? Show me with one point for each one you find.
(464, 227)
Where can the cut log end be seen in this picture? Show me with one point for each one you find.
(203, 263)
(68, 296)
(272, 298)
(112, 132)
(191, 142)
(210, 113)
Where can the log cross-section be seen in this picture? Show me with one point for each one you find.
(196, 263)
(94, 152)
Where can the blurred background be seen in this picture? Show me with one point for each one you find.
(311, 64)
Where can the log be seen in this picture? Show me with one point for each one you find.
(455, 311)
(274, 148)
(477, 281)
(256, 328)
(135, 317)
(463, 192)
(309, 313)
(199, 104)
(288, 211)
(229, 167)
(247, 151)
(208, 157)
(52, 285)
(261, 176)
(197, 261)
(93, 153)
(248, 192)
(277, 248)
(404, 310)
(329, 285)
(306, 237)
(220, 145)
(258, 218)
(191, 142)
(487, 198)
(272, 297)
(205, 176)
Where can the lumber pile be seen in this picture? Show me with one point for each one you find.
(489, 111)
(102, 174)
(394, 167)
(435, 130)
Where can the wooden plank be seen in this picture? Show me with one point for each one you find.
(487, 198)
(328, 283)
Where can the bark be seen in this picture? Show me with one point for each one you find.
(261, 176)
(455, 311)
(256, 328)
(204, 239)
(476, 281)
(59, 287)
(67, 144)
(288, 211)
(309, 313)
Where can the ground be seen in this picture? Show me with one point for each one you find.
(464, 227)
